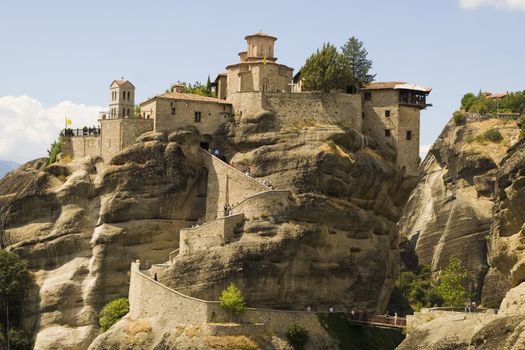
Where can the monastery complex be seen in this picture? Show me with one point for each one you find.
(387, 111)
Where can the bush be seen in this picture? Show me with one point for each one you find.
(491, 135)
(19, 339)
(53, 152)
(469, 138)
(113, 312)
(297, 336)
(232, 300)
(459, 118)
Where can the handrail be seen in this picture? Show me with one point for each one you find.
(210, 222)
(259, 194)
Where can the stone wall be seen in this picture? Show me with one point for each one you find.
(211, 234)
(213, 114)
(151, 299)
(81, 146)
(269, 203)
(226, 185)
(427, 315)
(117, 134)
(315, 109)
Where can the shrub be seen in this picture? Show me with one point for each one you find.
(53, 152)
(459, 118)
(297, 336)
(232, 300)
(112, 312)
(19, 339)
(491, 135)
(469, 138)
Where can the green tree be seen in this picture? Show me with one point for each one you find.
(232, 300)
(137, 110)
(324, 70)
(297, 336)
(356, 63)
(453, 281)
(113, 312)
(15, 281)
(467, 101)
(53, 152)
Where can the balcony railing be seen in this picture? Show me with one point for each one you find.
(85, 131)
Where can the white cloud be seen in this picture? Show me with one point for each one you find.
(423, 150)
(504, 4)
(27, 128)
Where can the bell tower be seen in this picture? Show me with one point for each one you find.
(121, 99)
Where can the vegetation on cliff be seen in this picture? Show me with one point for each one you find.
(52, 153)
(112, 312)
(14, 283)
(297, 336)
(513, 102)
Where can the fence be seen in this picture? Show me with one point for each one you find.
(85, 131)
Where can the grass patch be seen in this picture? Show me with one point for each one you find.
(237, 342)
(490, 135)
(357, 337)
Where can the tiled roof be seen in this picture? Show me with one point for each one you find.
(190, 97)
(380, 85)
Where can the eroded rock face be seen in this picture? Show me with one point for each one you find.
(450, 212)
(336, 244)
(80, 229)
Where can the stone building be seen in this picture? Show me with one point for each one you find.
(388, 111)
(391, 112)
(176, 109)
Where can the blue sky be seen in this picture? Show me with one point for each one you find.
(58, 57)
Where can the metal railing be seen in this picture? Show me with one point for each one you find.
(85, 131)
(378, 320)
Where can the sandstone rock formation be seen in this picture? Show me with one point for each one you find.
(80, 224)
(450, 211)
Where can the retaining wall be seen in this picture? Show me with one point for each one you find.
(151, 299)
(210, 234)
(270, 203)
(226, 185)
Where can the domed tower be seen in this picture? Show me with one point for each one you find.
(257, 72)
(260, 45)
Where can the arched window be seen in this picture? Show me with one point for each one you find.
(129, 94)
(123, 95)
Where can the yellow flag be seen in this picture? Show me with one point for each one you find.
(68, 121)
(264, 61)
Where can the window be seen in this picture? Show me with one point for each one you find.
(172, 110)
(224, 107)
(363, 115)
(409, 134)
(198, 117)
(123, 95)
(129, 96)
(387, 132)
(387, 113)
(368, 96)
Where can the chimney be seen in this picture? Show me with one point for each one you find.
(177, 88)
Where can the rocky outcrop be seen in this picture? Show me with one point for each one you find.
(450, 212)
(79, 230)
(334, 241)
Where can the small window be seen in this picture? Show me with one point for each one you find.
(387, 132)
(172, 110)
(224, 107)
(363, 115)
(123, 95)
(409, 134)
(198, 117)
(387, 113)
(368, 96)
(129, 96)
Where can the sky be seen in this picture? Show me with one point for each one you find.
(58, 57)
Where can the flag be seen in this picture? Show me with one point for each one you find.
(68, 121)
(264, 61)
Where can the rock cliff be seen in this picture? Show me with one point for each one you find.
(450, 212)
(80, 224)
